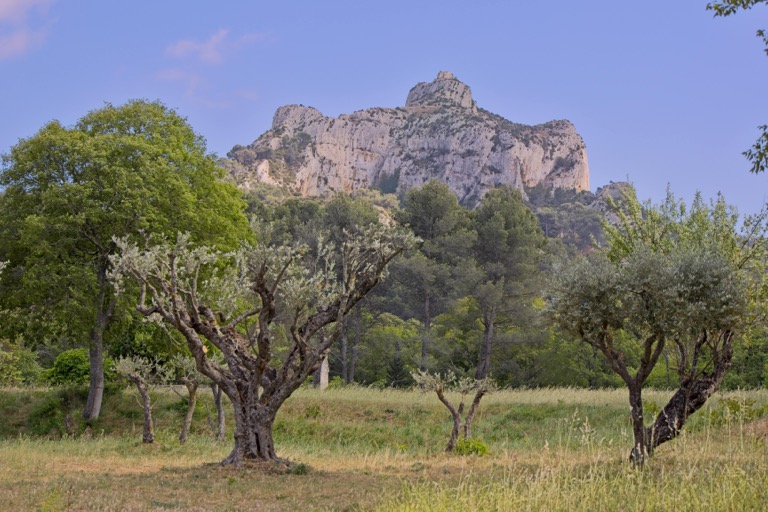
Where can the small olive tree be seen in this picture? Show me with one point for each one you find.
(145, 375)
(243, 303)
(183, 370)
(671, 277)
(441, 384)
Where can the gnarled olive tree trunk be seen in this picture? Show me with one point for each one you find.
(313, 298)
(691, 395)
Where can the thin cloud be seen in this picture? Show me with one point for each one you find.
(191, 82)
(18, 35)
(213, 50)
(17, 11)
(20, 42)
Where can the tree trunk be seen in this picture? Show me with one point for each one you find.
(425, 335)
(356, 344)
(253, 434)
(217, 398)
(344, 345)
(148, 436)
(471, 414)
(96, 380)
(484, 357)
(321, 375)
(192, 395)
(456, 415)
(104, 310)
(689, 398)
(640, 450)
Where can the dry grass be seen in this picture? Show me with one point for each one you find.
(556, 449)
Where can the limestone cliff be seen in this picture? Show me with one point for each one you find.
(440, 133)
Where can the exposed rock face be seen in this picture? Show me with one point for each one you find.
(440, 134)
(613, 192)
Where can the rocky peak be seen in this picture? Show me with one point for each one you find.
(440, 134)
(445, 90)
(293, 116)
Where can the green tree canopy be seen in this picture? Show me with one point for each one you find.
(120, 171)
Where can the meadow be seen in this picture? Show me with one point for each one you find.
(366, 449)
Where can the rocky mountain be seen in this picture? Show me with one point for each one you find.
(440, 133)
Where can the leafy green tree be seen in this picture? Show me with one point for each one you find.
(387, 350)
(749, 368)
(758, 153)
(431, 277)
(670, 276)
(508, 251)
(120, 171)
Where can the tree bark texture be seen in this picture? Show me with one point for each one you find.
(253, 432)
(689, 398)
(640, 449)
(472, 410)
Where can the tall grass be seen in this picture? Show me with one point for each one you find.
(551, 449)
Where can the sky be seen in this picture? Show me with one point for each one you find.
(663, 93)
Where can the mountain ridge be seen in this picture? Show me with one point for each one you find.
(440, 133)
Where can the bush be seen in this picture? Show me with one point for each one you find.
(18, 365)
(471, 447)
(73, 367)
(9, 373)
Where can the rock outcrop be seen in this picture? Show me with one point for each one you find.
(440, 133)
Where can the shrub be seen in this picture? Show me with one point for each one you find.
(9, 373)
(471, 447)
(18, 365)
(73, 367)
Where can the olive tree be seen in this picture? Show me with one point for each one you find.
(674, 278)
(464, 386)
(248, 302)
(145, 374)
(184, 370)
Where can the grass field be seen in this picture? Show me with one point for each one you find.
(362, 449)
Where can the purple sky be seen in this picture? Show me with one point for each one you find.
(661, 91)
